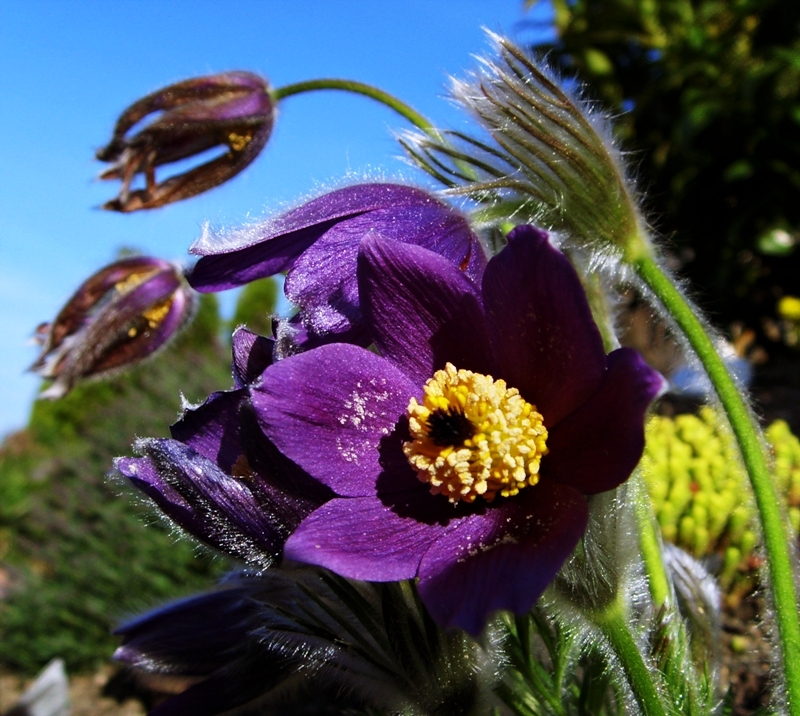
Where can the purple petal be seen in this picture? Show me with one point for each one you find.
(271, 246)
(598, 446)
(233, 109)
(228, 95)
(293, 337)
(145, 476)
(291, 488)
(421, 309)
(194, 636)
(251, 356)
(502, 559)
(225, 430)
(232, 512)
(213, 429)
(335, 411)
(237, 266)
(360, 538)
(549, 345)
(323, 283)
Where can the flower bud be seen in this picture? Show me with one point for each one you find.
(548, 158)
(232, 110)
(118, 317)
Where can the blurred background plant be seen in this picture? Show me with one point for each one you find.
(77, 553)
(705, 94)
(700, 493)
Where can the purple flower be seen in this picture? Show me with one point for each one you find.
(117, 317)
(219, 478)
(318, 242)
(463, 453)
(232, 110)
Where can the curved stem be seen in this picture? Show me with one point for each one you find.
(615, 628)
(776, 539)
(357, 88)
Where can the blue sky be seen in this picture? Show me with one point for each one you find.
(68, 68)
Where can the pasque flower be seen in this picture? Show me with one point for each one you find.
(462, 453)
(231, 110)
(117, 317)
(219, 478)
(318, 242)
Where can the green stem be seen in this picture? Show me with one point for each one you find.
(390, 101)
(649, 543)
(776, 539)
(614, 626)
(378, 95)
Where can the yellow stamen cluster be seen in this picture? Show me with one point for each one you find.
(127, 284)
(157, 312)
(237, 141)
(474, 436)
(153, 315)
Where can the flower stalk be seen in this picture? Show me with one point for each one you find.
(389, 100)
(361, 88)
(614, 626)
(776, 540)
(649, 543)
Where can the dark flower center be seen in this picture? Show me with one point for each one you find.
(449, 427)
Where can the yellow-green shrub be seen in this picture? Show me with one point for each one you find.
(700, 492)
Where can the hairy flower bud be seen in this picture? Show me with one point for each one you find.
(118, 317)
(232, 110)
(548, 157)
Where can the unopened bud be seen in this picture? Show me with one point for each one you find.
(550, 158)
(118, 317)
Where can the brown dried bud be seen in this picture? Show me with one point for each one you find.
(232, 110)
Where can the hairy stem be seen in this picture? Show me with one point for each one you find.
(615, 628)
(776, 538)
(649, 543)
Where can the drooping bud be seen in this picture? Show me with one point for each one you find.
(118, 317)
(232, 111)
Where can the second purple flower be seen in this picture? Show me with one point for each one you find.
(317, 244)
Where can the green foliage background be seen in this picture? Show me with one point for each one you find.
(80, 551)
(706, 98)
